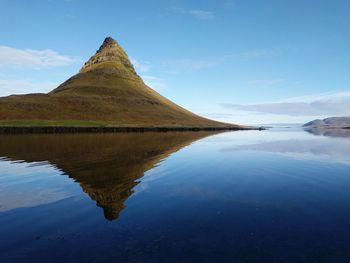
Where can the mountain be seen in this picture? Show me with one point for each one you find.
(107, 166)
(106, 92)
(333, 122)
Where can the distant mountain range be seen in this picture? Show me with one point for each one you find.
(333, 122)
(107, 91)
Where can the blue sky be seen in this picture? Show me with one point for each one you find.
(241, 61)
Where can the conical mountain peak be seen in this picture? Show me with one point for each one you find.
(106, 91)
(108, 43)
(111, 58)
(109, 40)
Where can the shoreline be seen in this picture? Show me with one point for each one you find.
(326, 127)
(73, 129)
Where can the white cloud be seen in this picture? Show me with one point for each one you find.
(199, 14)
(9, 87)
(33, 59)
(322, 96)
(209, 62)
(323, 105)
(155, 83)
(140, 66)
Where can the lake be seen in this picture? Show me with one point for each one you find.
(280, 195)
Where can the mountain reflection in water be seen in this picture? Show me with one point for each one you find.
(107, 166)
(344, 133)
(279, 195)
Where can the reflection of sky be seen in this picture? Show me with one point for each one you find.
(297, 144)
(272, 166)
(27, 185)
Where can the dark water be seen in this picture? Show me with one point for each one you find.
(248, 196)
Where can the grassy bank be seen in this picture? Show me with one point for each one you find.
(48, 123)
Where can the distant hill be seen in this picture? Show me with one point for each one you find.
(106, 92)
(333, 122)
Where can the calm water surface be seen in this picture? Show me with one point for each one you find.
(281, 195)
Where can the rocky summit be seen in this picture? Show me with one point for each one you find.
(111, 55)
(107, 91)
